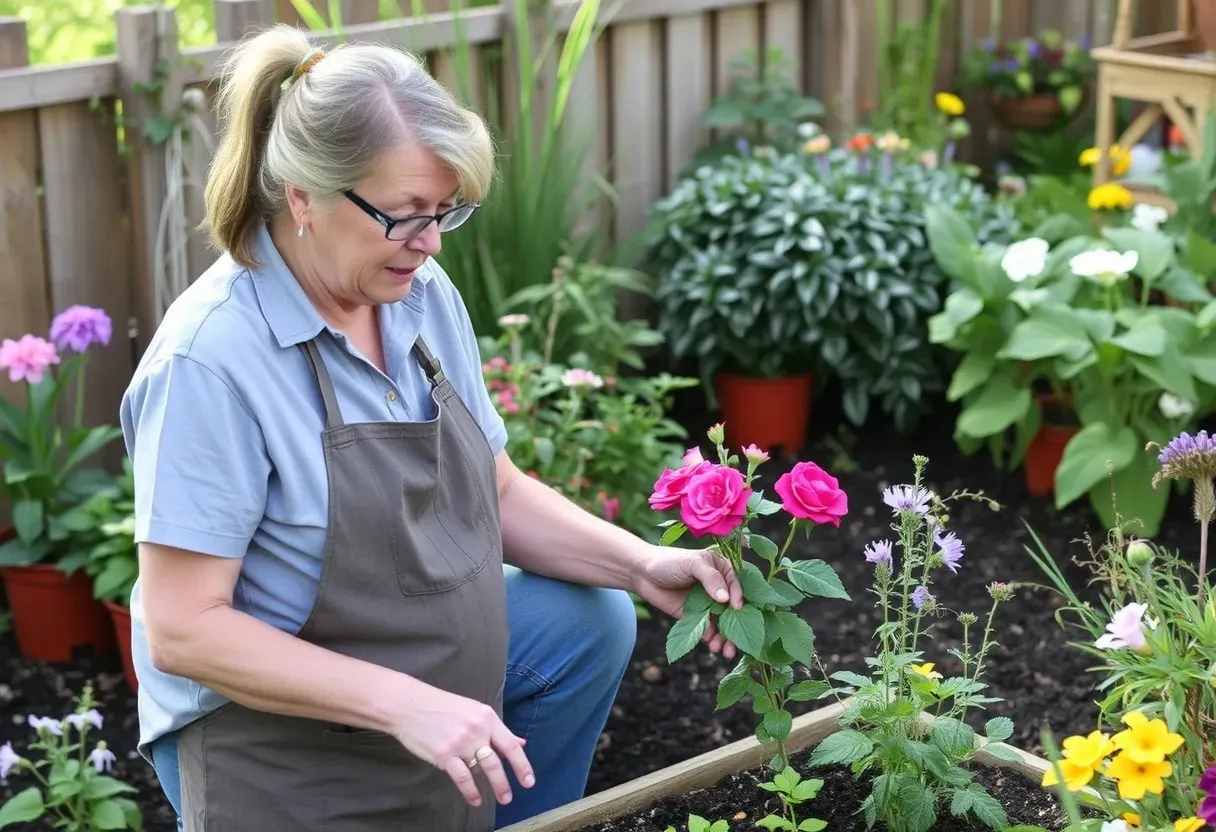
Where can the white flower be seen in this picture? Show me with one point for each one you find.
(808, 130)
(91, 716)
(1029, 298)
(1124, 629)
(1104, 266)
(1174, 407)
(513, 320)
(578, 377)
(1025, 259)
(8, 760)
(1148, 217)
(1115, 826)
(102, 758)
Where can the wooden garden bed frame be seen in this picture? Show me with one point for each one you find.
(1169, 72)
(707, 769)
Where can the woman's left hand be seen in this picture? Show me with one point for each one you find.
(664, 577)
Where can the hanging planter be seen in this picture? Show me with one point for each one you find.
(1031, 113)
(765, 412)
(1045, 451)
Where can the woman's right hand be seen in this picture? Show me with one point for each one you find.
(451, 731)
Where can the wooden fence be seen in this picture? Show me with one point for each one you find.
(83, 216)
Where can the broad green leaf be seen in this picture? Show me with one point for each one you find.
(952, 736)
(28, 519)
(775, 822)
(796, 635)
(744, 627)
(756, 589)
(102, 786)
(963, 305)
(1155, 250)
(1200, 256)
(674, 532)
(807, 690)
(1170, 371)
(998, 728)
(763, 547)
(971, 372)
(23, 807)
(919, 809)
(999, 404)
(1135, 495)
(1201, 358)
(1145, 337)
(1206, 316)
(816, 577)
(987, 808)
(1035, 338)
(107, 814)
(844, 747)
(686, 634)
(952, 242)
(734, 685)
(778, 724)
(812, 825)
(698, 600)
(1000, 751)
(1085, 459)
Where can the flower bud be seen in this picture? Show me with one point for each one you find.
(1139, 553)
(967, 619)
(1000, 591)
(717, 434)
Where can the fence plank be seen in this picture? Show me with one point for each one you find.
(689, 81)
(736, 33)
(783, 28)
(23, 301)
(236, 18)
(87, 240)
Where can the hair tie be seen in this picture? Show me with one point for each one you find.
(307, 64)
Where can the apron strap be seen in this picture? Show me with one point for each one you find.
(430, 364)
(333, 415)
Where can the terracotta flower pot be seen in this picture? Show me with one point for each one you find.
(121, 616)
(765, 412)
(55, 615)
(1045, 451)
(1031, 112)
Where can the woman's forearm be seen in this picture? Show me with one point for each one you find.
(259, 666)
(546, 533)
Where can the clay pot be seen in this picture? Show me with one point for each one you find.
(765, 412)
(1031, 113)
(55, 615)
(121, 616)
(1045, 451)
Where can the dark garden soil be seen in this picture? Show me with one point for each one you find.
(739, 800)
(665, 714)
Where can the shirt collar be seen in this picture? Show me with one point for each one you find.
(288, 311)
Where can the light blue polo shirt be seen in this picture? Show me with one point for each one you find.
(222, 421)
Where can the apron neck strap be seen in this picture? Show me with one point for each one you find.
(333, 415)
(430, 364)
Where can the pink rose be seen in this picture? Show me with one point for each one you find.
(715, 501)
(811, 493)
(669, 488)
(692, 457)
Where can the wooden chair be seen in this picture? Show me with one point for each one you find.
(1172, 73)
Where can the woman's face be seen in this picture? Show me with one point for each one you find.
(347, 245)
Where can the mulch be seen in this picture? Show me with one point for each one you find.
(665, 714)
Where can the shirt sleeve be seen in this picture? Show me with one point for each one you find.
(471, 384)
(200, 462)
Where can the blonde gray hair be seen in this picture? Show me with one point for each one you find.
(321, 124)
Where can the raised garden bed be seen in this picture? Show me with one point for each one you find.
(724, 785)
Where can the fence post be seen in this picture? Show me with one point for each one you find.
(150, 81)
(236, 18)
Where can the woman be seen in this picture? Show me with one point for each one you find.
(324, 632)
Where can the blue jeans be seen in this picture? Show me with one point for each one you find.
(570, 646)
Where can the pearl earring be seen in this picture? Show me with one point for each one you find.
(300, 233)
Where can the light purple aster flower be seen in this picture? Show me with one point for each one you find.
(77, 327)
(1188, 457)
(39, 723)
(878, 551)
(951, 549)
(907, 498)
(921, 597)
(8, 760)
(90, 716)
(101, 757)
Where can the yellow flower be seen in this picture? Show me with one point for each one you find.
(950, 104)
(925, 670)
(888, 141)
(1136, 779)
(1120, 157)
(817, 145)
(1187, 824)
(1110, 196)
(1132, 818)
(1076, 775)
(1145, 741)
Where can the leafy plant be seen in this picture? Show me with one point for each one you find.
(109, 539)
(1191, 185)
(1047, 64)
(793, 791)
(1074, 319)
(44, 471)
(907, 63)
(717, 502)
(74, 792)
(696, 823)
(905, 723)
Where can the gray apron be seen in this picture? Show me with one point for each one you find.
(412, 581)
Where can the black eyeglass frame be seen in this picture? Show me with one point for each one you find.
(390, 223)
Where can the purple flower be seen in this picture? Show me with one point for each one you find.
(78, 721)
(1033, 48)
(1187, 457)
(907, 498)
(1125, 630)
(38, 723)
(951, 549)
(988, 44)
(921, 598)
(878, 551)
(1207, 807)
(8, 760)
(79, 326)
(101, 757)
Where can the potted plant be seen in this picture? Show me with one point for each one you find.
(1033, 84)
(737, 249)
(1070, 317)
(44, 476)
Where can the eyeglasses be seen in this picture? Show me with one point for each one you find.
(406, 228)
